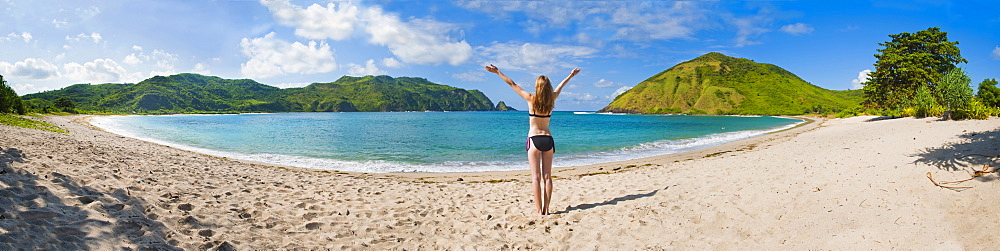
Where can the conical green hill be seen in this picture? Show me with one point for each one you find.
(718, 84)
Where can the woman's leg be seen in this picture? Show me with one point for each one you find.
(547, 179)
(534, 164)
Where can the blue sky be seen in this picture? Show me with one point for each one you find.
(49, 44)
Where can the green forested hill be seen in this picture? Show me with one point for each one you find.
(718, 84)
(197, 93)
(384, 93)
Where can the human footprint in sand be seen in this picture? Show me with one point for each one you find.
(539, 145)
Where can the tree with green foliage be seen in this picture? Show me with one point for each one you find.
(953, 91)
(64, 103)
(989, 93)
(924, 102)
(9, 101)
(909, 61)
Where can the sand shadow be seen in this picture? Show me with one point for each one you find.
(33, 218)
(880, 118)
(975, 149)
(614, 201)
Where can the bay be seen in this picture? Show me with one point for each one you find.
(434, 141)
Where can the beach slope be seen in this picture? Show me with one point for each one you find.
(856, 183)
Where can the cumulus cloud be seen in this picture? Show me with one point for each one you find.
(391, 63)
(577, 98)
(626, 20)
(797, 29)
(271, 56)
(603, 83)
(316, 21)
(621, 90)
(996, 53)
(638, 22)
(472, 76)
(25, 36)
(858, 83)
(291, 85)
(417, 41)
(535, 58)
(368, 69)
(33, 68)
(59, 23)
(747, 28)
(97, 71)
(201, 68)
(25, 88)
(132, 59)
(96, 37)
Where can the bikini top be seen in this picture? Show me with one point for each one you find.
(539, 116)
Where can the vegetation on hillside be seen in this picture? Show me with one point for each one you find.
(193, 93)
(9, 101)
(718, 84)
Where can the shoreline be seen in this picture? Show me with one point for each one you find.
(855, 183)
(503, 176)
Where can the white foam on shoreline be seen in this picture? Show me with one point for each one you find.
(112, 124)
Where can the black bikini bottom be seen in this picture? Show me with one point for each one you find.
(542, 143)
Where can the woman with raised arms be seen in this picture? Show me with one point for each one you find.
(540, 145)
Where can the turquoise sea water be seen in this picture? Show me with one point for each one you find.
(434, 141)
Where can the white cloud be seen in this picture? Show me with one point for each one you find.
(291, 85)
(96, 37)
(746, 28)
(136, 47)
(623, 20)
(797, 29)
(535, 58)
(473, 76)
(391, 63)
(858, 83)
(58, 23)
(368, 69)
(24, 88)
(132, 59)
(578, 98)
(97, 71)
(621, 90)
(996, 53)
(603, 83)
(315, 21)
(638, 22)
(33, 68)
(420, 41)
(201, 68)
(25, 36)
(86, 13)
(164, 60)
(270, 56)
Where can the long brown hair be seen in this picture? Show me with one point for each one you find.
(544, 100)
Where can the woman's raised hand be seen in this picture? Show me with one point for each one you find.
(575, 71)
(492, 68)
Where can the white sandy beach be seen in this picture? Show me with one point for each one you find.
(857, 183)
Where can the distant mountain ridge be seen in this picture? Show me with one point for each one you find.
(718, 84)
(197, 93)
